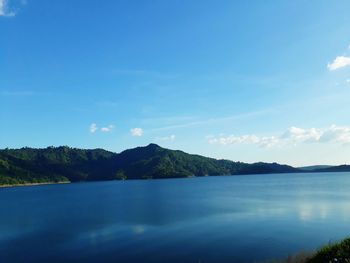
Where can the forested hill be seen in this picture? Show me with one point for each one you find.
(57, 164)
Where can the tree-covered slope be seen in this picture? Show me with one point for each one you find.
(28, 165)
(54, 164)
(156, 162)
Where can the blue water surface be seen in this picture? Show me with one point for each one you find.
(248, 218)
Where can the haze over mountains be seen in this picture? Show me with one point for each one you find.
(60, 164)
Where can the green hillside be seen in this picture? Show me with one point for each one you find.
(57, 164)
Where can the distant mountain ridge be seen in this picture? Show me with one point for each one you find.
(339, 168)
(60, 164)
(314, 167)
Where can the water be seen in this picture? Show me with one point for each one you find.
(211, 219)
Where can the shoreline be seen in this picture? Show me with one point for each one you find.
(31, 184)
(169, 178)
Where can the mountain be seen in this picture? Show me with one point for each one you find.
(314, 167)
(57, 164)
(339, 168)
(52, 164)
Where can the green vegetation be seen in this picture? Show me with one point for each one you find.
(338, 252)
(61, 164)
(57, 164)
(332, 253)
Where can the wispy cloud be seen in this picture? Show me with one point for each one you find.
(339, 62)
(336, 134)
(108, 128)
(4, 9)
(212, 120)
(136, 132)
(293, 135)
(302, 135)
(247, 139)
(93, 127)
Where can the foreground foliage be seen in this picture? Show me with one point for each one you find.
(338, 252)
(332, 253)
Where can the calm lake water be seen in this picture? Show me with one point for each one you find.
(210, 219)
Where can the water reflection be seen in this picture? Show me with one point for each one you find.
(212, 219)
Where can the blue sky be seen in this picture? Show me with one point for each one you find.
(258, 81)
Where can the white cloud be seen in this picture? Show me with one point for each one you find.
(333, 134)
(302, 135)
(248, 139)
(336, 134)
(231, 139)
(339, 62)
(172, 137)
(108, 128)
(347, 81)
(269, 141)
(4, 9)
(136, 132)
(93, 128)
